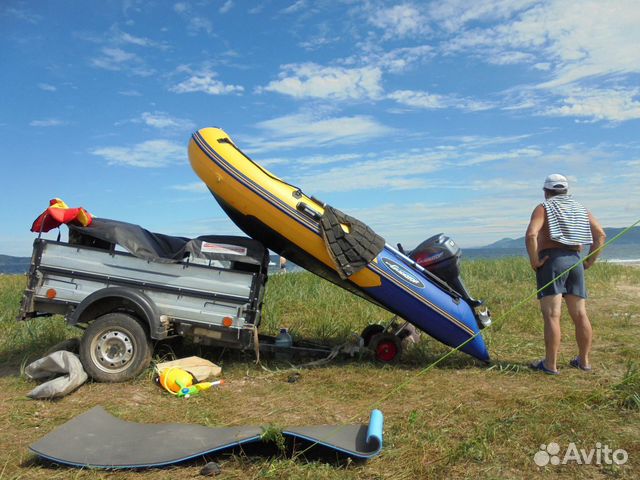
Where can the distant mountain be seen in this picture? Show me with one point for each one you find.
(13, 265)
(632, 237)
(624, 248)
(507, 243)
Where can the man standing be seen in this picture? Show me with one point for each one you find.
(555, 235)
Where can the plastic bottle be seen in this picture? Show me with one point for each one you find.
(283, 343)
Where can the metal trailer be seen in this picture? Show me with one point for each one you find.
(124, 302)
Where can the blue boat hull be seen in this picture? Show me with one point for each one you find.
(419, 300)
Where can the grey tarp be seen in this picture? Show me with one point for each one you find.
(64, 366)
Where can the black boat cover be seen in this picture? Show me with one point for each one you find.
(158, 247)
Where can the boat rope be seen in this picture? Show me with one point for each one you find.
(377, 403)
(500, 319)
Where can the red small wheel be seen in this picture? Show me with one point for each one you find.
(386, 347)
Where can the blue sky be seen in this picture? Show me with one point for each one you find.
(416, 117)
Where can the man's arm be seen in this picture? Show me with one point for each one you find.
(599, 237)
(531, 237)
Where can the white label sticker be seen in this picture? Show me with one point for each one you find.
(208, 247)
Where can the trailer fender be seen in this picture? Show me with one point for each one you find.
(113, 299)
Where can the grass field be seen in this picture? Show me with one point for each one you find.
(460, 419)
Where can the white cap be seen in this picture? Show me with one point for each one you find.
(555, 181)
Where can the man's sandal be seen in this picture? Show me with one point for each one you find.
(539, 365)
(575, 363)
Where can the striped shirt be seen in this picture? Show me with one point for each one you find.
(568, 221)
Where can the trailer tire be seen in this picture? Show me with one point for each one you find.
(114, 348)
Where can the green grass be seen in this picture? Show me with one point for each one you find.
(460, 419)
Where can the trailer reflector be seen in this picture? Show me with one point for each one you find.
(51, 293)
(227, 321)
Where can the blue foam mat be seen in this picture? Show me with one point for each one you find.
(99, 440)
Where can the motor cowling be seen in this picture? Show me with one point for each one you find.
(440, 255)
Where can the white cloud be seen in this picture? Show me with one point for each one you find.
(194, 187)
(468, 223)
(199, 24)
(113, 58)
(579, 40)
(195, 22)
(517, 155)
(164, 120)
(47, 87)
(226, 6)
(309, 80)
(397, 171)
(181, 7)
(616, 105)
(542, 66)
(413, 98)
(479, 141)
(295, 7)
(452, 15)
(149, 154)
(117, 59)
(50, 122)
(317, 42)
(431, 101)
(205, 82)
(316, 160)
(399, 21)
(22, 14)
(123, 37)
(397, 60)
(571, 45)
(305, 130)
(510, 58)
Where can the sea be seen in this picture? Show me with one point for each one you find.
(621, 254)
(626, 254)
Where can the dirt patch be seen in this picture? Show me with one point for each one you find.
(9, 371)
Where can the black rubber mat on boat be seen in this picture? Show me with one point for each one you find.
(351, 251)
(98, 439)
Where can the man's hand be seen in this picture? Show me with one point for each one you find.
(588, 263)
(531, 237)
(536, 263)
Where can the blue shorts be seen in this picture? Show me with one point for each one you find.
(571, 283)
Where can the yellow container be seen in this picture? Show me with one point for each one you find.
(175, 379)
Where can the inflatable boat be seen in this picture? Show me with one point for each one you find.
(340, 248)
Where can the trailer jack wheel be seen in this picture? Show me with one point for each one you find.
(370, 331)
(386, 347)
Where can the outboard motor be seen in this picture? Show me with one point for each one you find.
(440, 255)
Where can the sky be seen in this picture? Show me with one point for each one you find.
(415, 117)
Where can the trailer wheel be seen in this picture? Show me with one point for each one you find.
(370, 331)
(115, 348)
(386, 347)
